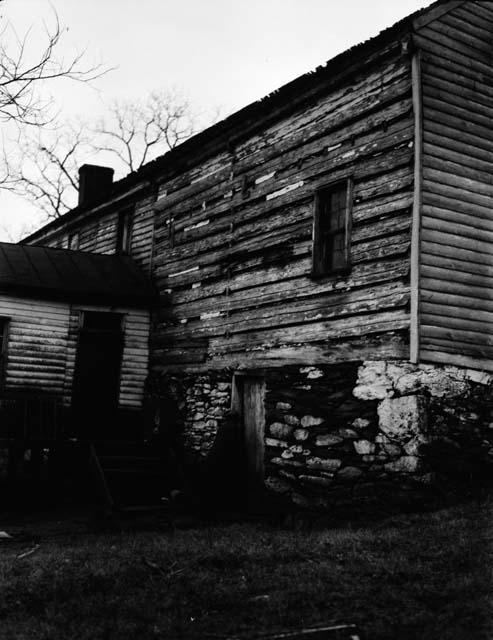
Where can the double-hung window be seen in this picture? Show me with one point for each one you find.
(4, 333)
(124, 231)
(332, 229)
(73, 240)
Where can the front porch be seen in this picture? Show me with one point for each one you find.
(47, 458)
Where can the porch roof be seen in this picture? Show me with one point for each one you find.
(73, 275)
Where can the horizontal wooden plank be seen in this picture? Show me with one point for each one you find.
(450, 49)
(467, 12)
(460, 299)
(483, 281)
(435, 196)
(469, 23)
(446, 136)
(463, 40)
(443, 185)
(456, 312)
(280, 284)
(468, 122)
(455, 288)
(457, 89)
(294, 313)
(442, 356)
(481, 9)
(444, 76)
(444, 216)
(455, 324)
(460, 168)
(459, 153)
(465, 342)
(452, 226)
(387, 345)
(475, 250)
(353, 326)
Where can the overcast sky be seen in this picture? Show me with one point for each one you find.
(222, 53)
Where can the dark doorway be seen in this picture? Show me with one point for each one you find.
(248, 400)
(97, 375)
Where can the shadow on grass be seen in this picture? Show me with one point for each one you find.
(413, 576)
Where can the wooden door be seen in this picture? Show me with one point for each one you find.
(250, 396)
(96, 382)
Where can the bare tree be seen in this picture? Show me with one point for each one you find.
(29, 66)
(135, 132)
(45, 170)
(24, 72)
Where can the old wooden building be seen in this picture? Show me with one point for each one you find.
(75, 329)
(74, 337)
(324, 262)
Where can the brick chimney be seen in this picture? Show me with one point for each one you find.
(94, 181)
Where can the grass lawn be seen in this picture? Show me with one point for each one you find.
(413, 576)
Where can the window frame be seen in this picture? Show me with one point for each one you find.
(320, 270)
(4, 340)
(85, 314)
(73, 236)
(124, 230)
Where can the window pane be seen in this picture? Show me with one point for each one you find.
(124, 231)
(330, 240)
(73, 241)
(102, 321)
(338, 252)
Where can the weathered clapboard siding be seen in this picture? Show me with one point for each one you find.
(233, 236)
(42, 346)
(37, 343)
(71, 353)
(456, 257)
(135, 359)
(143, 232)
(100, 235)
(98, 228)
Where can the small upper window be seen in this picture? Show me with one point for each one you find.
(124, 231)
(4, 330)
(332, 229)
(101, 321)
(73, 240)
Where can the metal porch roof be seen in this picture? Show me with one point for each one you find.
(73, 275)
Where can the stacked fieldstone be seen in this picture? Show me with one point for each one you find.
(383, 444)
(204, 401)
(347, 433)
(4, 462)
(320, 439)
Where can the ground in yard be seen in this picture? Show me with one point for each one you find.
(414, 576)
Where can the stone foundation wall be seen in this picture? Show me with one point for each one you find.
(351, 433)
(346, 434)
(200, 403)
(318, 435)
(4, 463)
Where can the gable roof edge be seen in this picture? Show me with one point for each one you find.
(437, 12)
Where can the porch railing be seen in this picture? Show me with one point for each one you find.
(31, 418)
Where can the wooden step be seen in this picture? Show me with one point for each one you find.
(135, 472)
(129, 458)
(127, 476)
